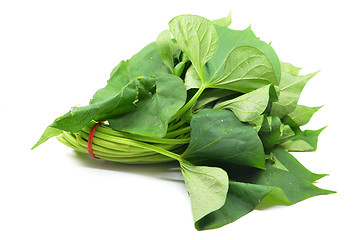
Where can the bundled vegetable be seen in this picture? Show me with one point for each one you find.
(214, 99)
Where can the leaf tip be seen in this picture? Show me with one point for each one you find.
(320, 176)
(319, 107)
(321, 129)
(316, 72)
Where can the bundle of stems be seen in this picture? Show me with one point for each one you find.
(118, 146)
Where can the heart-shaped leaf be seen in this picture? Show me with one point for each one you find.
(197, 37)
(207, 187)
(218, 137)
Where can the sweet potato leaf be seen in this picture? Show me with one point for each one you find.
(287, 132)
(289, 68)
(295, 188)
(249, 106)
(116, 98)
(270, 132)
(294, 166)
(179, 69)
(145, 63)
(290, 89)
(241, 63)
(155, 110)
(246, 68)
(78, 117)
(302, 141)
(241, 199)
(301, 115)
(256, 123)
(196, 36)
(167, 49)
(225, 21)
(192, 79)
(218, 137)
(229, 40)
(207, 188)
(48, 133)
(251, 188)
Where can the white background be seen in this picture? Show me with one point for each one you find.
(56, 54)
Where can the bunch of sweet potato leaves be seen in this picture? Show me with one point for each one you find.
(219, 102)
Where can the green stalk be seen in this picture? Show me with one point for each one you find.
(136, 143)
(178, 132)
(175, 126)
(102, 149)
(190, 103)
(122, 147)
(61, 139)
(109, 131)
(119, 146)
(70, 140)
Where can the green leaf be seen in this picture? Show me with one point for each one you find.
(118, 84)
(295, 188)
(289, 68)
(197, 37)
(275, 197)
(78, 117)
(154, 111)
(270, 132)
(116, 98)
(192, 79)
(180, 67)
(247, 68)
(256, 123)
(145, 63)
(233, 68)
(225, 21)
(167, 49)
(290, 89)
(207, 187)
(302, 114)
(286, 132)
(229, 40)
(255, 188)
(218, 137)
(241, 199)
(302, 141)
(250, 106)
(294, 166)
(48, 133)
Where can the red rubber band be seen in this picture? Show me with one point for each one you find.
(90, 138)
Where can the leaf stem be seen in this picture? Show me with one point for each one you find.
(136, 143)
(156, 158)
(157, 154)
(178, 132)
(176, 125)
(190, 103)
(109, 131)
